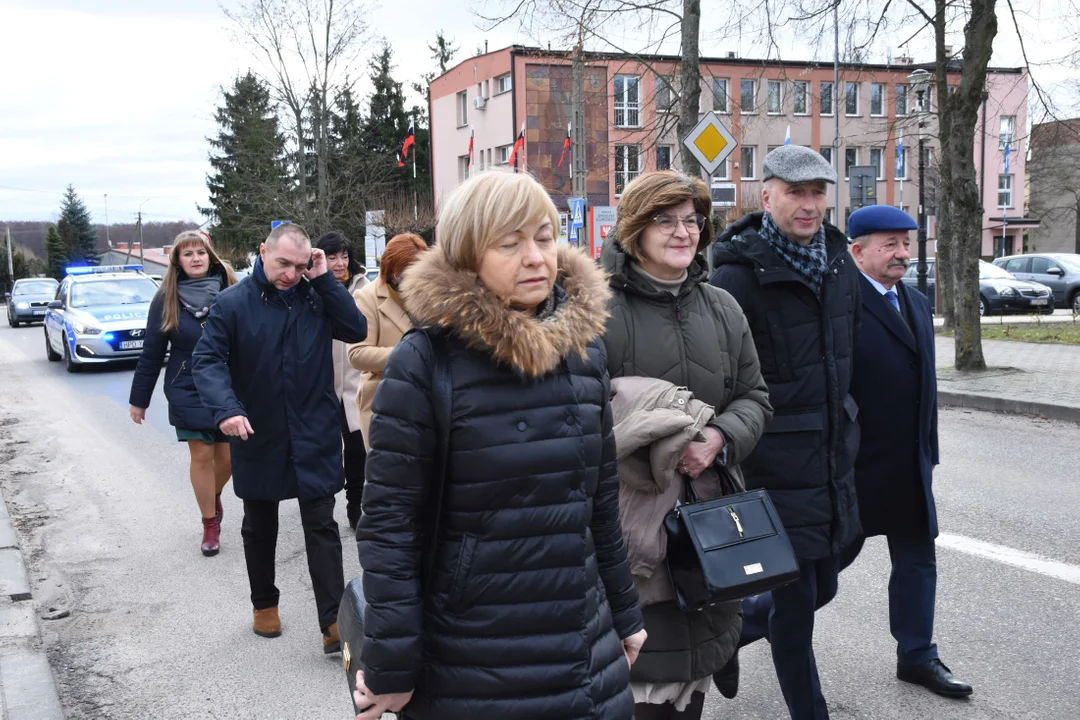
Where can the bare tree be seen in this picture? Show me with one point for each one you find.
(307, 48)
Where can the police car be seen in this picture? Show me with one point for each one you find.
(99, 315)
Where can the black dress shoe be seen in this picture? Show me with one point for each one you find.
(726, 678)
(935, 676)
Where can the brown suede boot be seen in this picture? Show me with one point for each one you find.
(267, 623)
(331, 641)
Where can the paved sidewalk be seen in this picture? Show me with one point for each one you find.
(1030, 378)
(1058, 316)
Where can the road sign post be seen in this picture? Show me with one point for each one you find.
(710, 142)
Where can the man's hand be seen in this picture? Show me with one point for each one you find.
(237, 426)
(633, 644)
(375, 705)
(700, 455)
(138, 414)
(318, 264)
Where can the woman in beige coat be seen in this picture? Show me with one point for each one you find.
(386, 318)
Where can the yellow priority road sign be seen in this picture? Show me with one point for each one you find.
(710, 142)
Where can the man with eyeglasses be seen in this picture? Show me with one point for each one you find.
(792, 274)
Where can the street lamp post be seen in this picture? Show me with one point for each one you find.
(919, 80)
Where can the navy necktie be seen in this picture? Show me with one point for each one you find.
(893, 300)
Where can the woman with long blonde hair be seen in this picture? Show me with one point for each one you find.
(174, 325)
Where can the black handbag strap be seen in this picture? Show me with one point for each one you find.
(442, 388)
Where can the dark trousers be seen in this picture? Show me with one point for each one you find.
(912, 595)
(786, 617)
(355, 454)
(667, 711)
(323, 544)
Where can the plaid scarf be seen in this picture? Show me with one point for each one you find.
(809, 261)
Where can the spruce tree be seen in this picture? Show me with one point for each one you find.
(387, 124)
(82, 238)
(57, 253)
(249, 185)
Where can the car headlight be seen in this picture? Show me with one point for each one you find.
(22, 306)
(1006, 291)
(81, 329)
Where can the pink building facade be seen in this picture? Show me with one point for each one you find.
(631, 109)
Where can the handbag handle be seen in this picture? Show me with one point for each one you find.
(727, 483)
(442, 387)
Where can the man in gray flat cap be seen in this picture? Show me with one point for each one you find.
(799, 288)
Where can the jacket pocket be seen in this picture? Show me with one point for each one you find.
(850, 437)
(462, 571)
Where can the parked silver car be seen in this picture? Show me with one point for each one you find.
(1058, 271)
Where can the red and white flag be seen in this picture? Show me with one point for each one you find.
(519, 145)
(565, 146)
(409, 142)
(400, 162)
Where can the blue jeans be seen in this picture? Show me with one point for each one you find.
(786, 617)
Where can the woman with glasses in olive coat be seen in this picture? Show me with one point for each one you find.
(668, 323)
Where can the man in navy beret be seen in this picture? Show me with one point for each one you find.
(895, 385)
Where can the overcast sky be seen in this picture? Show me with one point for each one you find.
(118, 96)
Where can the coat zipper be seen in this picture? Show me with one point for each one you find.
(183, 365)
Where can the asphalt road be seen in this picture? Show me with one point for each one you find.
(111, 532)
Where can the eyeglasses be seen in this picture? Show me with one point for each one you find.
(694, 224)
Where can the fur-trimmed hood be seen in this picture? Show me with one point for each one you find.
(434, 293)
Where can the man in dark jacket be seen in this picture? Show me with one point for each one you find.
(794, 279)
(895, 384)
(264, 368)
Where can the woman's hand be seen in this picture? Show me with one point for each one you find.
(138, 414)
(632, 646)
(700, 455)
(375, 705)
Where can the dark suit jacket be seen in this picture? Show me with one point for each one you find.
(894, 382)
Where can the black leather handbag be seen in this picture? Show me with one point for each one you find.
(350, 618)
(726, 549)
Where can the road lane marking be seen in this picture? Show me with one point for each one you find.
(1011, 556)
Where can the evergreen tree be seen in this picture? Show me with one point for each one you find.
(249, 184)
(57, 252)
(387, 125)
(82, 236)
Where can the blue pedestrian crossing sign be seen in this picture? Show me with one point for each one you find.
(274, 224)
(577, 211)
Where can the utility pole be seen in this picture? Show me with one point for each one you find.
(140, 231)
(108, 240)
(10, 263)
(578, 168)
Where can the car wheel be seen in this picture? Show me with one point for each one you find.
(11, 320)
(49, 352)
(982, 306)
(1075, 303)
(69, 363)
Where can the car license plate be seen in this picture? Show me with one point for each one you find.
(131, 344)
(1041, 301)
(39, 312)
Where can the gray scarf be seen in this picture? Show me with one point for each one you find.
(196, 296)
(811, 261)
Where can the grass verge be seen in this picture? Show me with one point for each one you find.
(1058, 333)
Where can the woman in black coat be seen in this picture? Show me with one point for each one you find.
(174, 324)
(530, 613)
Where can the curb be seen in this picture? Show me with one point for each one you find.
(1000, 403)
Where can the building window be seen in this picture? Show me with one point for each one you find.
(663, 157)
(826, 98)
(502, 154)
(665, 94)
(901, 100)
(748, 96)
(747, 170)
(851, 158)
(851, 99)
(776, 97)
(627, 101)
(829, 214)
(901, 165)
(503, 84)
(1005, 184)
(462, 167)
(826, 152)
(721, 102)
(876, 158)
(462, 108)
(723, 173)
(627, 165)
(1008, 131)
(877, 100)
(801, 98)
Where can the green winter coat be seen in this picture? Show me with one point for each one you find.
(699, 340)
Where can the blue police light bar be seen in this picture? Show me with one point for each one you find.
(96, 269)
